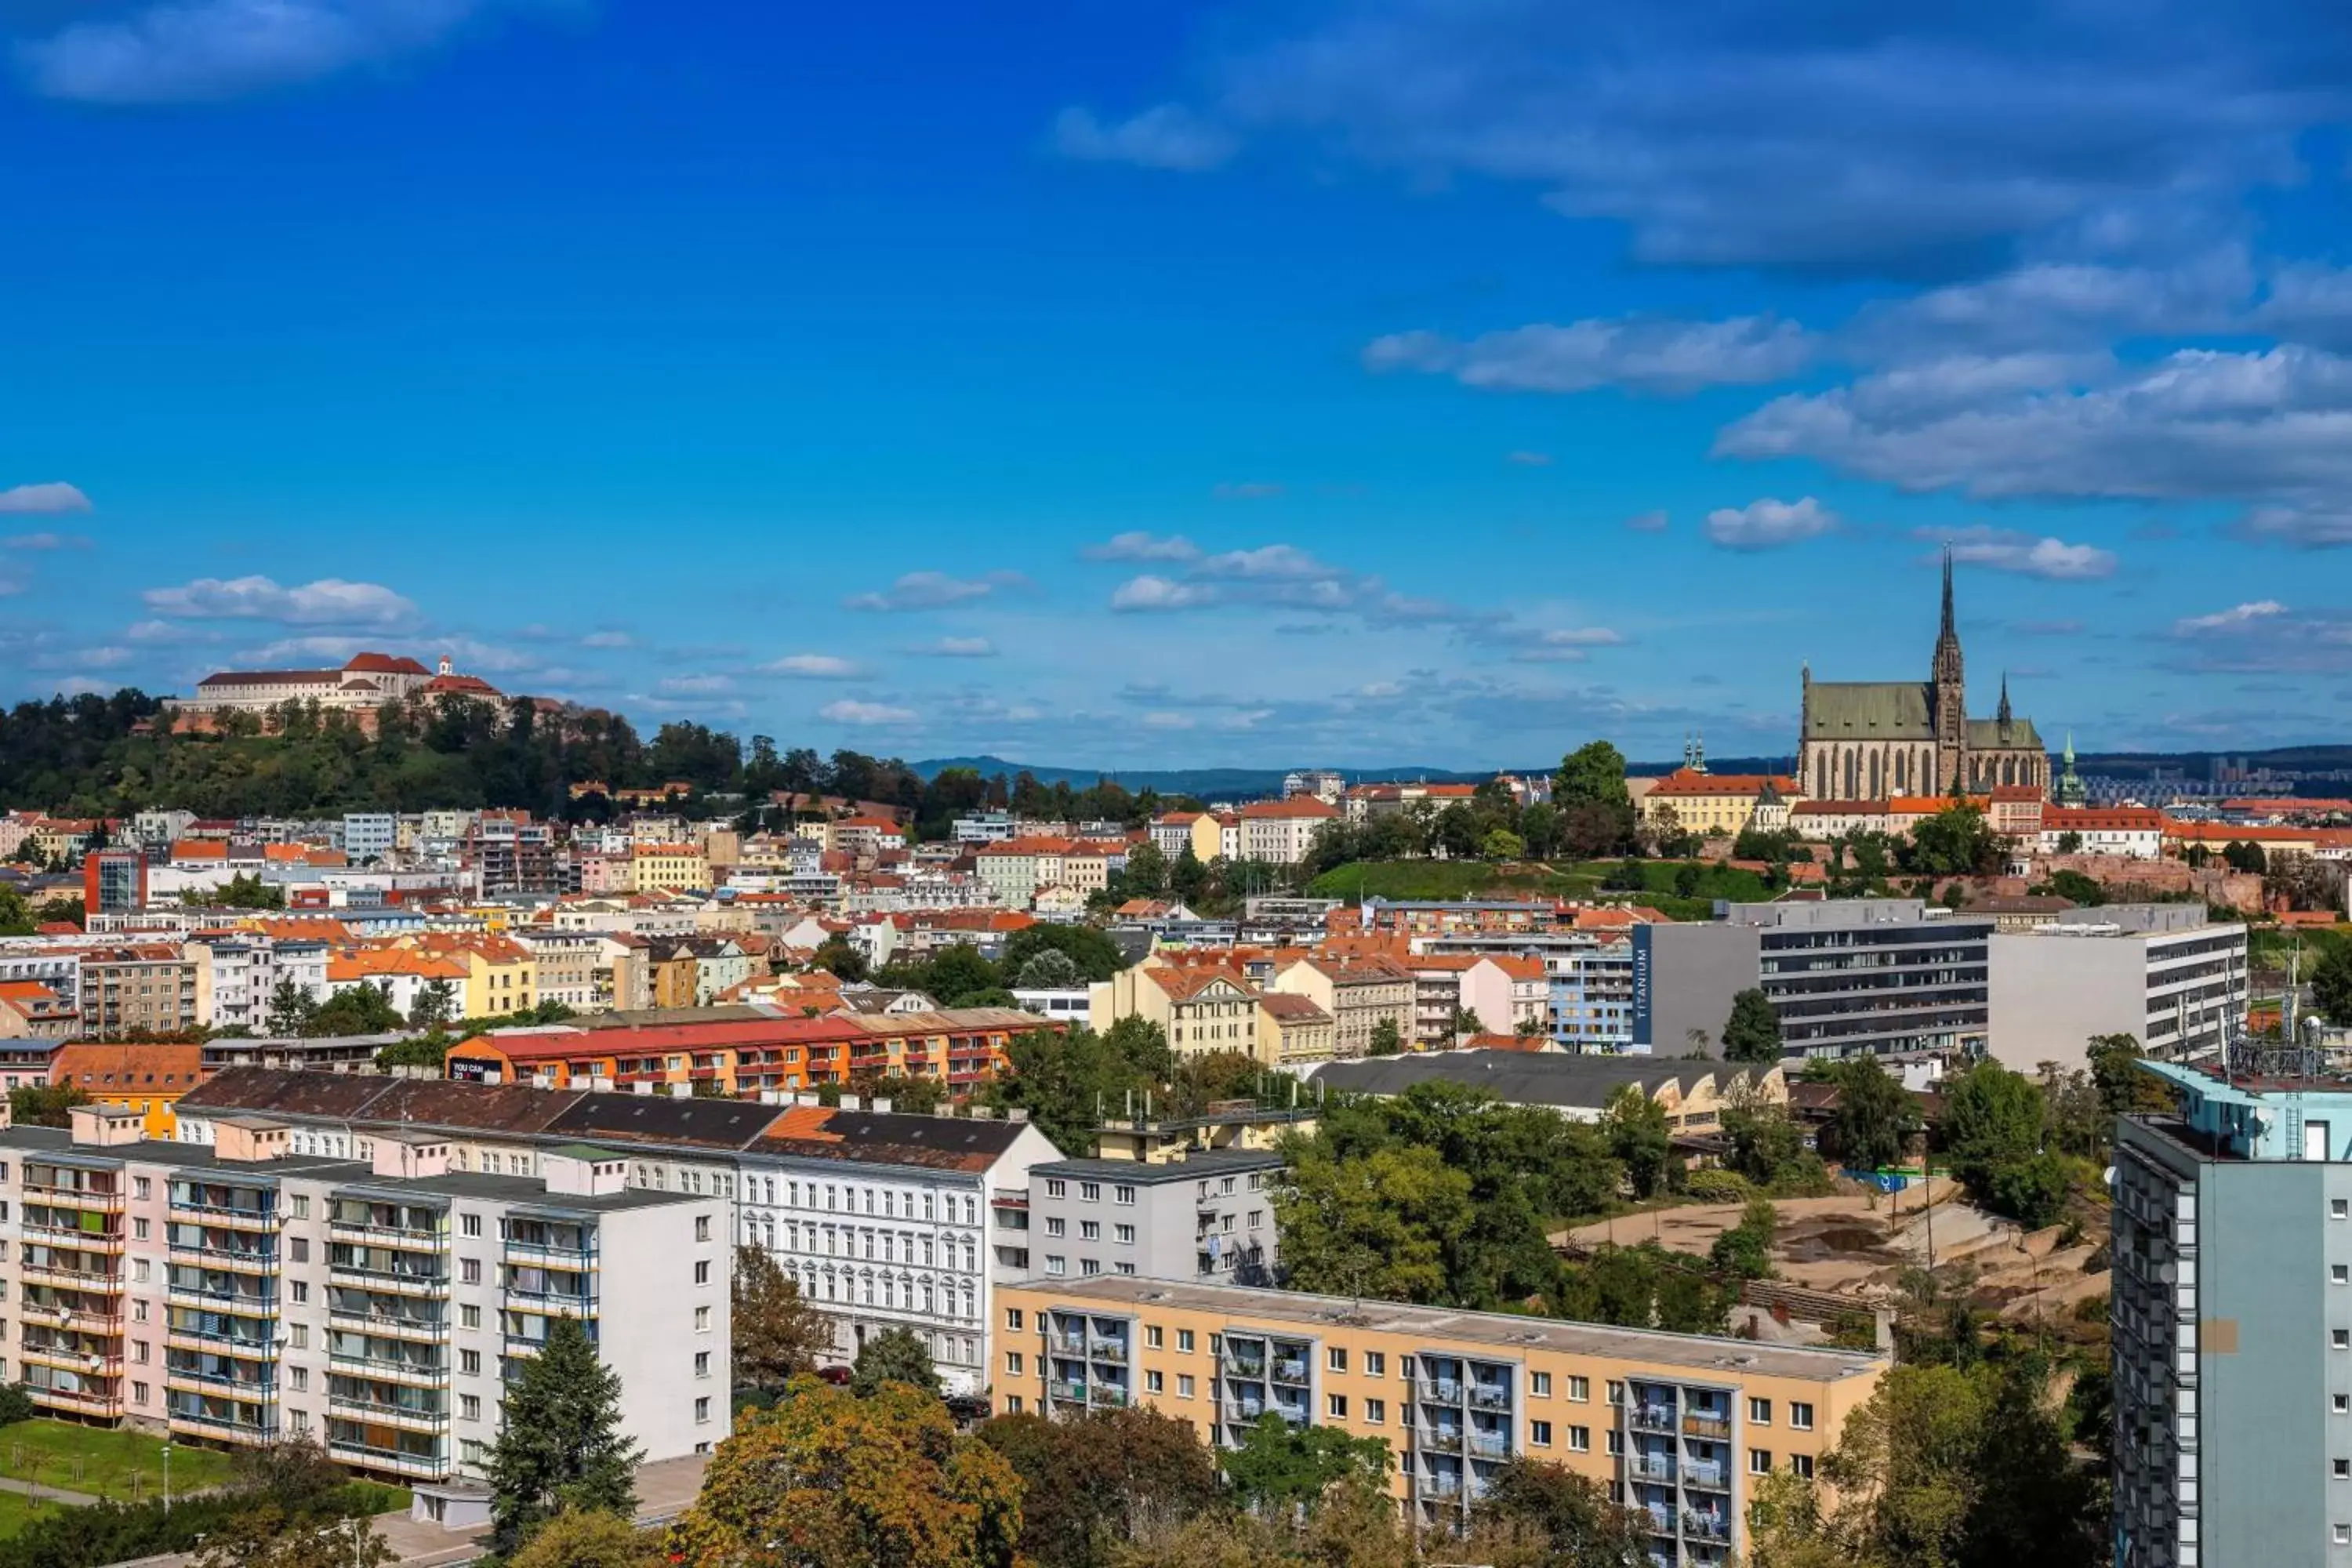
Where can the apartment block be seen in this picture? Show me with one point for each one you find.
(1853, 977)
(1678, 1426)
(238, 1291)
(2232, 1316)
(2162, 973)
(144, 986)
(237, 973)
(1206, 1216)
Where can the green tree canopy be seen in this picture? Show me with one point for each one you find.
(1279, 1466)
(1873, 1115)
(1097, 1482)
(1752, 1033)
(1639, 1138)
(893, 1355)
(560, 1444)
(777, 1335)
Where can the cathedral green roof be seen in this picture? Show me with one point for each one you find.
(1985, 735)
(1869, 710)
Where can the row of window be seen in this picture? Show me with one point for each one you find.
(890, 1202)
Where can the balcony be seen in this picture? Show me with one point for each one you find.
(1441, 1487)
(1485, 1396)
(1071, 1391)
(416, 1375)
(238, 1303)
(1244, 1366)
(398, 1237)
(1439, 1440)
(1103, 1396)
(64, 1278)
(243, 1348)
(569, 1259)
(81, 1198)
(52, 1316)
(387, 1281)
(233, 1260)
(1114, 1350)
(1718, 1428)
(1289, 1371)
(1701, 1525)
(83, 1403)
(1707, 1477)
(404, 1417)
(1653, 1418)
(87, 1363)
(397, 1461)
(389, 1326)
(1495, 1448)
(1244, 1410)
(228, 1217)
(1439, 1392)
(244, 1388)
(1644, 1468)
(74, 1237)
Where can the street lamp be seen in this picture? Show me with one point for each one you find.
(167, 1475)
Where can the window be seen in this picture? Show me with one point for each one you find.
(703, 1411)
(1183, 1385)
(702, 1320)
(1184, 1342)
(1539, 1384)
(2342, 1534)
(1090, 1191)
(1760, 1412)
(1057, 1225)
(470, 1362)
(1336, 1406)
(1057, 1188)
(1122, 1193)
(1802, 1464)
(1152, 1382)
(1376, 1411)
(702, 1272)
(1151, 1336)
(2339, 1274)
(1089, 1267)
(1123, 1234)
(138, 1350)
(702, 1363)
(139, 1230)
(469, 1406)
(1336, 1358)
(1579, 1439)
(1540, 1433)
(301, 1378)
(469, 1269)
(1089, 1230)
(1012, 1363)
(1616, 1391)
(1580, 1389)
(1800, 1416)
(2340, 1338)
(139, 1396)
(141, 1187)
(302, 1332)
(1012, 1319)
(1057, 1265)
(469, 1317)
(1759, 1461)
(469, 1225)
(1376, 1364)
(2344, 1470)
(2343, 1405)
(703, 1227)
(1616, 1445)
(1013, 1405)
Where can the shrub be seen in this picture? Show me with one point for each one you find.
(1718, 1186)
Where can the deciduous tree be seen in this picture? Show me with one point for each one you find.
(1752, 1033)
(777, 1335)
(893, 1355)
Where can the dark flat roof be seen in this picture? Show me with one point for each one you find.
(1525, 1078)
(1196, 1167)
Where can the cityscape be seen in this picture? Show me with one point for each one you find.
(1368, 784)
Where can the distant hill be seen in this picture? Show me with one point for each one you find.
(1243, 783)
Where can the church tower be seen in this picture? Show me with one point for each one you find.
(1947, 695)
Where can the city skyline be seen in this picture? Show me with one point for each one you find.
(1191, 388)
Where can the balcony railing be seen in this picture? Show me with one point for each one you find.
(387, 1281)
(234, 1260)
(92, 1363)
(1105, 1395)
(1715, 1426)
(74, 1236)
(1653, 1418)
(244, 1388)
(387, 1324)
(1244, 1366)
(80, 1402)
(1484, 1397)
(406, 1417)
(1289, 1371)
(1060, 1390)
(1435, 1392)
(1711, 1478)
(420, 1374)
(1700, 1525)
(244, 1348)
(399, 1461)
(73, 1197)
(53, 1316)
(1439, 1440)
(227, 1215)
(33, 1273)
(1441, 1487)
(1109, 1350)
(408, 1237)
(569, 1259)
(1489, 1448)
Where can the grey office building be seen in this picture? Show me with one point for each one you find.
(1852, 977)
(1208, 1218)
(2163, 973)
(2230, 1305)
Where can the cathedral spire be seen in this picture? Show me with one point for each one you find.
(1948, 629)
(2001, 713)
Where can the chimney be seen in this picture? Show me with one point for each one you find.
(806, 1099)
(1018, 1114)
(850, 1102)
(643, 1086)
(882, 1105)
(981, 1113)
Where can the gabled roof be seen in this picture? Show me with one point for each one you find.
(1868, 710)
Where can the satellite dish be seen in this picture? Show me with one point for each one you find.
(2109, 1177)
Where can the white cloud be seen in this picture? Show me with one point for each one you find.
(853, 712)
(696, 685)
(43, 542)
(608, 640)
(1647, 523)
(1284, 562)
(1166, 136)
(179, 51)
(811, 666)
(51, 498)
(1767, 523)
(308, 650)
(1641, 354)
(2004, 550)
(2316, 526)
(1163, 719)
(935, 589)
(1151, 592)
(959, 648)
(164, 632)
(1142, 546)
(1247, 490)
(2237, 618)
(330, 601)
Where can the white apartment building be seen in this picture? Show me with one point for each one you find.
(885, 1222)
(237, 1292)
(370, 835)
(238, 971)
(2133, 831)
(1281, 831)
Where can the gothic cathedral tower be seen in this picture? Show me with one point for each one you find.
(1948, 693)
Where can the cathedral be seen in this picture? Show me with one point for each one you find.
(1873, 739)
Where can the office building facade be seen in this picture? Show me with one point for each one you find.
(2162, 973)
(1208, 1217)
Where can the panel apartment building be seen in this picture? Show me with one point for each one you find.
(1207, 1215)
(237, 1292)
(1850, 977)
(2231, 1314)
(1678, 1425)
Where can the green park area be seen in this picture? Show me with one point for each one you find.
(126, 1466)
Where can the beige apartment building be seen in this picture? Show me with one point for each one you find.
(1201, 1010)
(1293, 1031)
(1357, 993)
(1678, 1426)
(148, 987)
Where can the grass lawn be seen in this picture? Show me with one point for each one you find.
(17, 1512)
(124, 1465)
(1440, 879)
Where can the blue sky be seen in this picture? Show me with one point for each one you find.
(1128, 384)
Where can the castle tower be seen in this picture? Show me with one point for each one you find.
(1947, 695)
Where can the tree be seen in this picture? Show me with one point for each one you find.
(1386, 1039)
(837, 958)
(776, 1334)
(1767, 1147)
(893, 1355)
(45, 1105)
(578, 1539)
(560, 1443)
(1503, 844)
(291, 1008)
(1570, 1516)
(2124, 1089)
(267, 1537)
(2074, 887)
(363, 1009)
(1097, 956)
(1280, 1467)
(1596, 813)
(1873, 1116)
(436, 1006)
(2070, 843)
(1752, 1033)
(1992, 1117)
(2331, 985)
(1103, 1480)
(1372, 1224)
(1744, 1250)
(1638, 1136)
(958, 973)
(825, 1480)
(2245, 856)
(1956, 842)
(1051, 970)
(1464, 1021)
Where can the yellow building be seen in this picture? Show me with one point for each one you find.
(1679, 1426)
(501, 973)
(1201, 1008)
(668, 867)
(1294, 1031)
(1712, 804)
(147, 1081)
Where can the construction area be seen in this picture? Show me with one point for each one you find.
(1847, 1256)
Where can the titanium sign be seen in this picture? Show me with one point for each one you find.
(1644, 967)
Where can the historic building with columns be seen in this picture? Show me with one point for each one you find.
(1873, 739)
